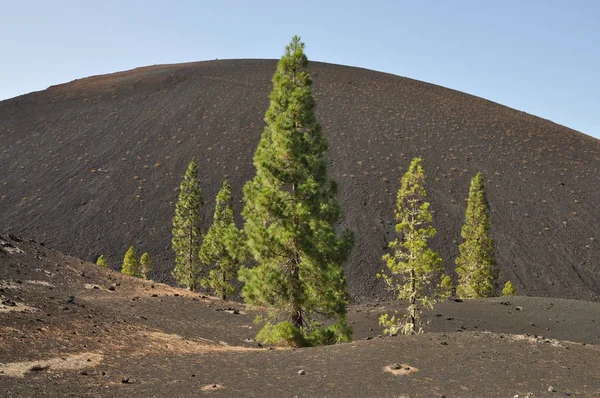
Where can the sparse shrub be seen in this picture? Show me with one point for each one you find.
(145, 265)
(508, 289)
(131, 265)
(101, 261)
(413, 266)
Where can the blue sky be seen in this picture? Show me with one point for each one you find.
(542, 57)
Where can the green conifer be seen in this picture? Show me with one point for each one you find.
(445, 287)
(413, 267)
(145, 265)
(476, 265)
(290, 212)
(101, 261)
(131, 265)
(508, 289)
(223, 246)
(186, 231)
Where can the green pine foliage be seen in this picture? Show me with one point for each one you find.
(445, 287)
(508, 289)
(131, 265)
(413, 267)
(101, 261)
(223, 247)
(476, 265)
(290, 216)
(145, 265)
(186, 232)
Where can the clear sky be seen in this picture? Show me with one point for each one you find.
(542, 57)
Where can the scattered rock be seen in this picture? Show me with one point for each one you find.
(551, 389)
(9, 303)
(301, 372)
(39, 368)
(229, 310)
(125, 380)
(83, 373)
(112, 287)
(395, 366)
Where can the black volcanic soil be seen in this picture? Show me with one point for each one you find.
(63, 332)
(93, 166)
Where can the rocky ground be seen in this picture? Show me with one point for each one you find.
(71, 328)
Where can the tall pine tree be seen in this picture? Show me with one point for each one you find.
(290, 212)
(413, 267)
(223, 246)
(145, 265)
(186, 231)
(131, 265)
(476, 265)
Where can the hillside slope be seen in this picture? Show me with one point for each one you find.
(93, 166)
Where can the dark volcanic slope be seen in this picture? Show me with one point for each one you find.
(92, 166)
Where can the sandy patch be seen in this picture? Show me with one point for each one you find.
(41, 283)
(212, 387)
(402, 370)
(70, 362)
(91, 286)
(9, 285)
(19, 307)
(176, 343)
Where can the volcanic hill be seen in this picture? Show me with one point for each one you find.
(93, 166)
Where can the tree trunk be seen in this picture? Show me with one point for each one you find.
(413, 301)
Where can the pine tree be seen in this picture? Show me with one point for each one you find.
(222, 246)
(101, 261)
(131, 265)
(476, 265)
(445, 287)
(186, 231)
(145, 265)
(508, 289)
(413, 266)
(290, 212)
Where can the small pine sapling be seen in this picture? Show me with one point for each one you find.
(145, 265)
(508, 289)
(131, 265)
(101, 261)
